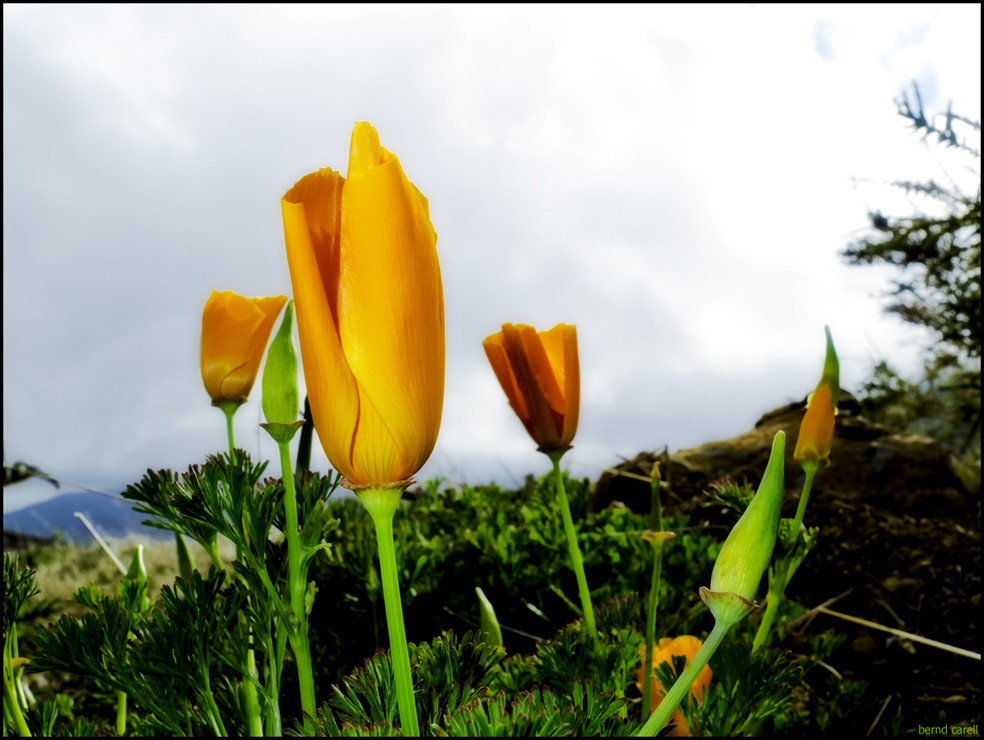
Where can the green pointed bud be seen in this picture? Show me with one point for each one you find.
(184, 557)
(747, 551)
(490, 625)
(831, 371)
(138, 571)
(280, 400)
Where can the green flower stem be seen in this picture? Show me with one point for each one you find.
(647, 667)
(772, 600)
(810, 467)
(229, 408)
(120, 713)
(211, 710)
(304, 446)
(11, 702)
(578, 565)
(212, 548)
(298, 588)
(253, 721)
(276, 662)
(779, 577)
(381, 505)
(672, 700)
(655, 525)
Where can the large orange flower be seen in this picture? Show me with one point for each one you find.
(540, 375)
(235, 331)
(687, 646)
(370, 313)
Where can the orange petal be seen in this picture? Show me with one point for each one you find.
(495, 350)
(687, 646)
(390, 313)
(311, 212)
(549, 371)
(817, 429)
(572, 383)
(520, 342)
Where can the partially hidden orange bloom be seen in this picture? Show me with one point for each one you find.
(668, 647)
(235, 331)
(539, 373)
(370, 313)
(817, 429)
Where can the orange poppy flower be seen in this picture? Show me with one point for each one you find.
(540, 375)
(663, 653)
(370, 313)
(235, 331)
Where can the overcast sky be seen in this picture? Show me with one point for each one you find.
(677, 182)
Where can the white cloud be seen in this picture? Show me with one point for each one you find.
(674, 180)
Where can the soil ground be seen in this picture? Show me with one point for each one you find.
(919, 575)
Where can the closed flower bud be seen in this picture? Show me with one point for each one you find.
(137, 571)
(280, 399)
(540, 375)
(488, 620)
(747, 551)
(817, 429)
(235, 331)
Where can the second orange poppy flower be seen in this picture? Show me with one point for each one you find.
(539, 373)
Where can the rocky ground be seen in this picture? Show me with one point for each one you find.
(899, 531)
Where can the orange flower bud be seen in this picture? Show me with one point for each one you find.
(540, 375)
(235, 331)
(817, 429)
(370, 313)
(687, 646)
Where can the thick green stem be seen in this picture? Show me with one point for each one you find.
(11, 703)
(253, 721)
(275, 661)
(298, 588)
(382, 505)
(672, 700)
(120, 713)
(575, 550)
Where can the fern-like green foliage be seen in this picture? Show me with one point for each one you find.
(572, 656)
(726, 492)
(747, 690)
(168, 662)
(182, 664)
(18, 586)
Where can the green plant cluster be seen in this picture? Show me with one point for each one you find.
(183, 663)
